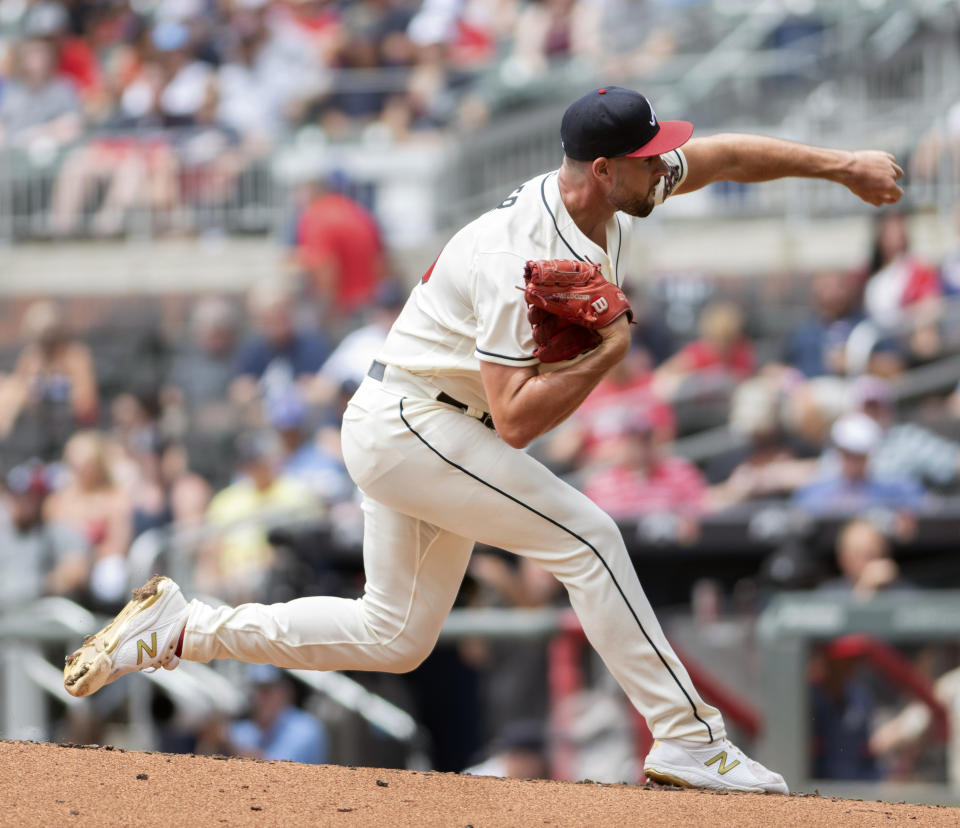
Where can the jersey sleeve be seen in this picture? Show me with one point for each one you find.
(676, 163)
(504, 335)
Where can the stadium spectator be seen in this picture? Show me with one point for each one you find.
(37, 556)
(821, 344)
(812, 407)
(906, 450)
(76, 59)
(374, 34)
(767, 466)
(851, 488)
(340, 251)
(253, 95)
(350, 360)
(166, 87)
(513, 673)
(843, 704)
(203, 369)
(276, 731)
(900, 289)
(53, 387)
(518, 752)
(722, 356)
(645, 480)
(236, 564)
(865, 563)
(39, 112)
(303, 458)
(279, 354)
(650, 333)
(909, 731)
(163, 490)
(94, 505)
(548, 31)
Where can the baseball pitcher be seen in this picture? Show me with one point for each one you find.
(506, 334)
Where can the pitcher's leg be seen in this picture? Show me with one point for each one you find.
(413, 574)
(505, 498)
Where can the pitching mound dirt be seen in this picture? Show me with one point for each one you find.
(44, 784)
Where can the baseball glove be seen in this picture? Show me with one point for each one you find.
(557, 339)
(568, 301)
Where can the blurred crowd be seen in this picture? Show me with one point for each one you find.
(220, 437)
(132, 106)
(206, 441)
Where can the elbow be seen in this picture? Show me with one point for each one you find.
(514, 435)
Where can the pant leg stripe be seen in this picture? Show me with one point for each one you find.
(585, 542)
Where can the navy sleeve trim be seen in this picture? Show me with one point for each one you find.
(504, 356)
(616, 267)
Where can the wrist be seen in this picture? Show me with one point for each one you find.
(616, 338)
(841, 169)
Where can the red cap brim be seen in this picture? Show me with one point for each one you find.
(672, 134)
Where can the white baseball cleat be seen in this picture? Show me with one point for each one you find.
(718, 765)
(143, 636)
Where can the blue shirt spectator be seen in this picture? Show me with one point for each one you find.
(850, 488)
(818, 346)
(278, 354)
(304, 459)
(277, 729)
(294, 735)
(303, 353)
(842, 496)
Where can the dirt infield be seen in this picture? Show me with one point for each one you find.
(44, 784)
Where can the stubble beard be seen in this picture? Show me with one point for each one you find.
(634, 205)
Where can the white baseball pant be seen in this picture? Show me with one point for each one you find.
(434, 481)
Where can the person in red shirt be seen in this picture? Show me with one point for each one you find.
(646, 480)
(340, 252)
(721, 346)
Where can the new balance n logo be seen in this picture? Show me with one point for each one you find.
(151, 651)
(721, 757)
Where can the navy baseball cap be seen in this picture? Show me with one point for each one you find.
(613, 122)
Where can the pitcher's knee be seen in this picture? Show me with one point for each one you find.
(602, 542)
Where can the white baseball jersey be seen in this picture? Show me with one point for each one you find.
(469, 305)
(435, 480)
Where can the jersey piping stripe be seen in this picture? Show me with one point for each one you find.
(543, 195)
(585, 542)
(503, 356)
(616, 267)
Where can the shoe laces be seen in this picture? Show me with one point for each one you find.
(753, 764)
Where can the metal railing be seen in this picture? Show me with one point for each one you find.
(872, 76)
(787, 632)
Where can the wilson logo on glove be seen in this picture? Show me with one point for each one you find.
(568, 302)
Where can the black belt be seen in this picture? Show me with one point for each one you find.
(378, 369)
